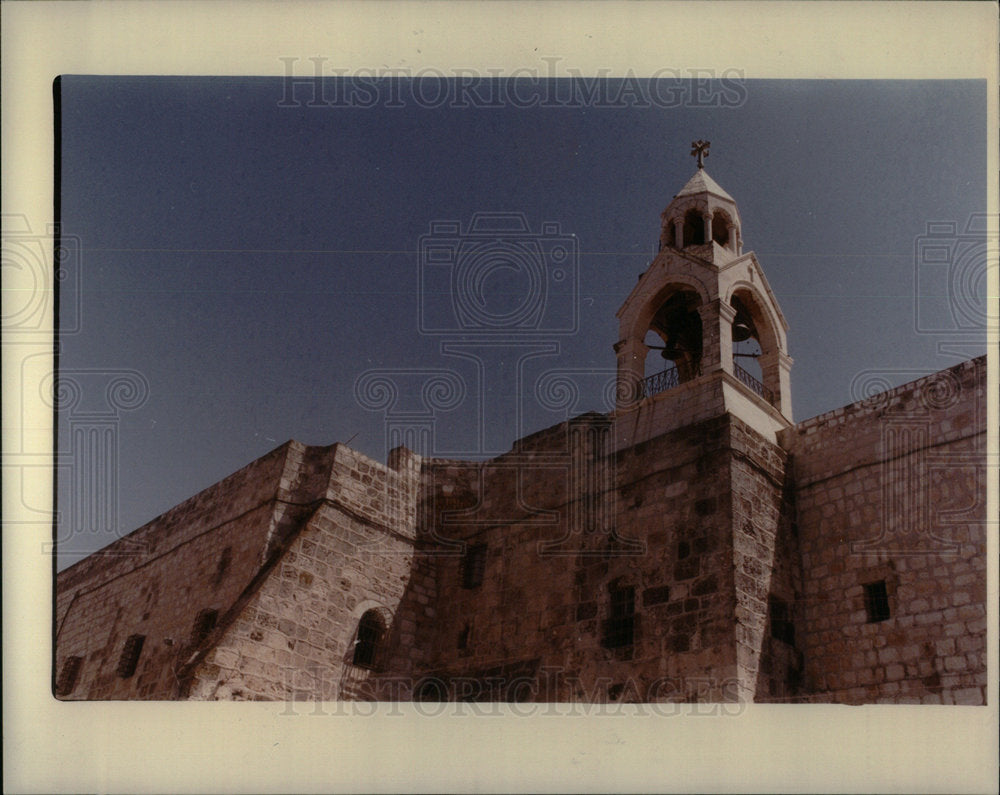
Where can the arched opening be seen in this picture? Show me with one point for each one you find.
(667, 238)
(748, 347)
(655, 360)
(369, 642)
(720, 227)
(674, 340)
(694, 228)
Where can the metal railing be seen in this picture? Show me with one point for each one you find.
(756, 386)
(669, 378)
(660, 382)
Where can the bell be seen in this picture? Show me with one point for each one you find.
(741, 330)
(672, 348)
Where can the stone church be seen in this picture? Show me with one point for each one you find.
(696, 544)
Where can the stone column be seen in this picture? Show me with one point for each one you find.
(731, 243)
(727, 314)
(711, 333)
(775, 368)
(678, 233)
(707, 219)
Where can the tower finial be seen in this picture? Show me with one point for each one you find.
(699, 149)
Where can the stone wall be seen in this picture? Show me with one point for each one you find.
(766, 565)
(570, 529)
(891, 495)
(293, 635)
(299, 525)
(155, 581)
(703, 563)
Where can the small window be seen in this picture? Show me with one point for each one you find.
(223, 565)
(463, 637)
(876, 602)
(130, 655)
(68, 676)
(619, 629)
(368, 645)
(204, 623)
(474, 566)
(782, 627)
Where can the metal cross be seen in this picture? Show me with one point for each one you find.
(699, 149)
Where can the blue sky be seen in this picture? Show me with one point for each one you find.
(247, 258)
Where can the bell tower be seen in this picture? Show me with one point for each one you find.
(701, 333)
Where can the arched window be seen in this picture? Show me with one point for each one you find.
(369, 641)
(748, 347)
(694, 228)
(720, 228)
(674, 335)
(667, 238)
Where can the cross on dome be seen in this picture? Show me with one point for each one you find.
(699, 149)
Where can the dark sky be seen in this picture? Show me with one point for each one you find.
(245, 256)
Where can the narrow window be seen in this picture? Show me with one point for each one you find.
(619, 629)
(463, 637)
(782, 627)
(876, 602)
(130, 655)
(223, 565)
(367, 647)
(473, 566)
(68, 676)
(204, 623)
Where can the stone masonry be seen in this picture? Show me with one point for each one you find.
(693, 545)
(708, 527)
(893, 489)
